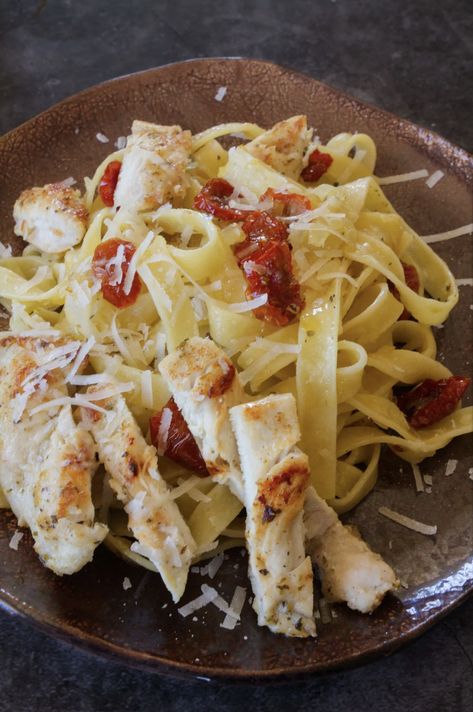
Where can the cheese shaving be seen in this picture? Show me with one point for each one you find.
(451, 467)
(220, 93)
(403, 177)
(15, 540)
(417, 477)
(420, 527)
(163, 431)
(236, 607)
(119, 342)
(201, 601)
(220, 602)
(465, 282)
(80, 357)
(133, 264)
(240, 307)
(434, 179)
(101, 137)
(213, 566)
(146, 389)
(198, 496)
(449, 234)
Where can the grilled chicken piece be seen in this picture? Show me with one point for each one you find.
(205, 385)
(351, 572)
(46, 460)
(53, 218)
(162, 534)
(284, 146)
(275, 476)
(154, 166)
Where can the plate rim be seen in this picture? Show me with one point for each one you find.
(175, 668)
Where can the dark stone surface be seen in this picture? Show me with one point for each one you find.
(413, 59)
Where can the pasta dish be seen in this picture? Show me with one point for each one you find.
(208, 348)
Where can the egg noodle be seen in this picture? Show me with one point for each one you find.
(341, 358)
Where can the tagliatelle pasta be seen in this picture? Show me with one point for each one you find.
(341, 355)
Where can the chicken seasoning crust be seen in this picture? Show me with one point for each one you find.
(221, 342)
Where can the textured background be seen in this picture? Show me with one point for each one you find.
(412, 58)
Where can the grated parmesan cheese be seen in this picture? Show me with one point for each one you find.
(451, 467)
(220, 603)
(126, 583)
(403, 177)
(434, 179)
(80, 357)
(146, 389)
(213, 566)
(68, 182)
(240, 307)
(220, 93)
(15, 540)
(133, 264)
(120, 142)
(236, 607)
(101, 137)
(417, 477)
(201, 601)
(427, 529)
(163, 431)
(449, 234)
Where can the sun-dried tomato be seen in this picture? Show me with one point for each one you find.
(180, 444)
(112, 276)
(214, 199)
(289, 203)
(411, 278)
(265, 257)
(108, 182)
(430, 400)
(319, 163)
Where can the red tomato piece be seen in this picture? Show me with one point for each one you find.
(109, 274)
(319, 163)
(411, 279)
(290, 203)
(269, 271)
(108, 182)
(180, 445)
(214, 198)
(430, 401)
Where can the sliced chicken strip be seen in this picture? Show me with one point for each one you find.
(284, 146)
(205, 385)
(53, 217)
(46, 460)
(275, 476)
(162, 535)
(351, 572)
(154, 166)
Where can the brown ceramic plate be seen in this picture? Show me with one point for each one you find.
(140, 625)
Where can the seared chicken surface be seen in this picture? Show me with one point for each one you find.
(283, 147)
(46, 459)
(53, 218)
(205, 385)
(351, 572)
(162, 535)
(154, 166)
(275, 476)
